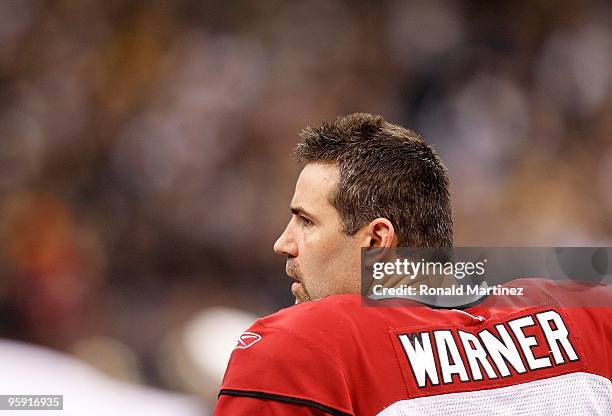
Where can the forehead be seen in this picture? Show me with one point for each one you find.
(314, 185)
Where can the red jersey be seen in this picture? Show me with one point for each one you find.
(527, 354)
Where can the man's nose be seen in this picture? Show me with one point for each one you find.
(285, 245)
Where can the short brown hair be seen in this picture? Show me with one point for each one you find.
(385, 171)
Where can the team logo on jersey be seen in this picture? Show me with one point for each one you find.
(246, 340)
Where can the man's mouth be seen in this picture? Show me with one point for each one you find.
(297, 288)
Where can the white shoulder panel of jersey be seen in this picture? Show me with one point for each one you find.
(569, 394)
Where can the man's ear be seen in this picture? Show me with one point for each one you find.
(381, 241)
(380, 234)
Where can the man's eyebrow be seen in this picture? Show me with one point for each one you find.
(301, 211)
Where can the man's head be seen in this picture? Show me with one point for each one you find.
(366, 183)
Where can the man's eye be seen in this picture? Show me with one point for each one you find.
(305, 221)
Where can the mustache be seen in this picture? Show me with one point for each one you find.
(293, 270)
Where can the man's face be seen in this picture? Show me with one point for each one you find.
(320, 257)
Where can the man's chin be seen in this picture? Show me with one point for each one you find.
(299, 292)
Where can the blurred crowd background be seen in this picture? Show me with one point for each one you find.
(145, 167)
